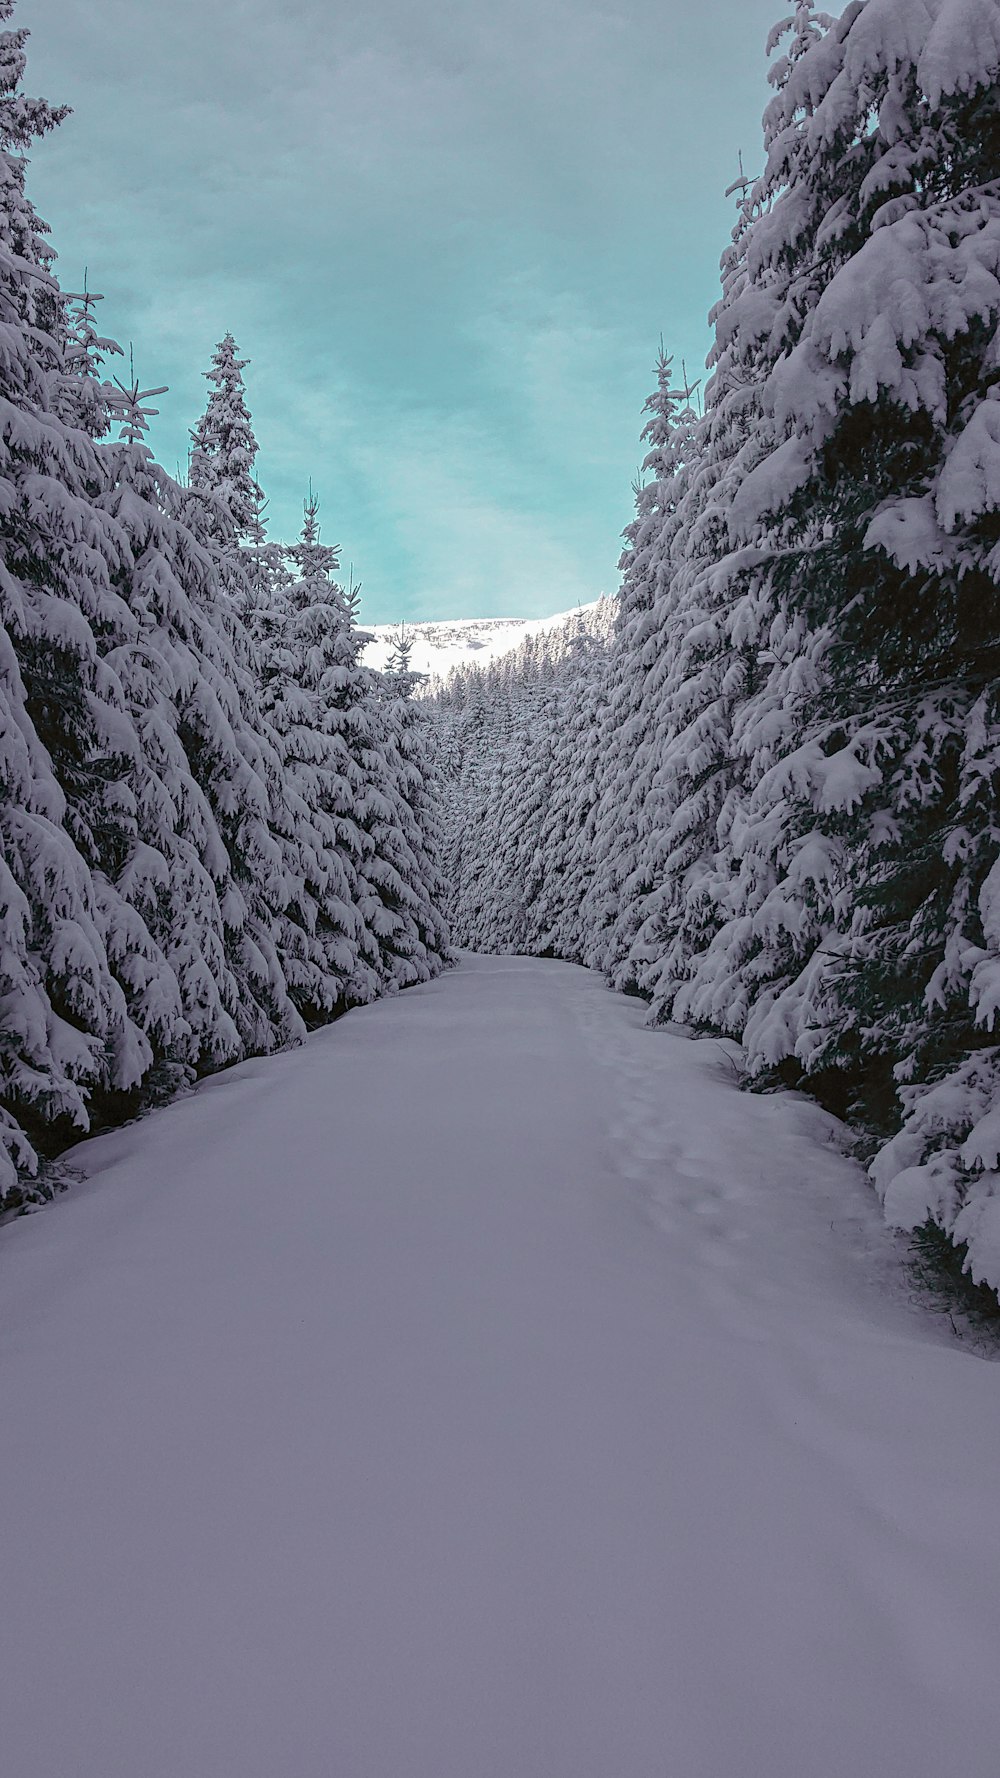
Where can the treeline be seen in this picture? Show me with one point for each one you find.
(770, 805)
(516, 744)
(218, 827)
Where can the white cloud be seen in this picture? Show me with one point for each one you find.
(448, 237)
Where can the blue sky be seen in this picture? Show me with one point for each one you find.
(448, 237)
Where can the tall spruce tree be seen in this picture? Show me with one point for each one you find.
(636, 729)
(697, 949)
(377, 826)
(853, 861)
(197, 707)
(75, 960)
(224, 450)
(308, 657)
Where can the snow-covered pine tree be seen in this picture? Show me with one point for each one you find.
(216, 767)
(224, 452)
(691, 951)
(417, 740)
(401, 650)
(915, 442)
(224, 504)
(557, 914)
(401, 875)
(83, 397)
(73, 957)
(688, 681)
(635, 728)
(308, 653)
(854, 861)
(413, 757)
(395, 887)
(682, 675)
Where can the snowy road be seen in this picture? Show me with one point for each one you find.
(487, 1391)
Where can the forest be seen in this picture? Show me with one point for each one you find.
(762, 791)
(219, 828)
(500, 1166)
(758, 787)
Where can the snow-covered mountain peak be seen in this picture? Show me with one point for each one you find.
(450, 642)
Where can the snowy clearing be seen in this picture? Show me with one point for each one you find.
(488, 1390)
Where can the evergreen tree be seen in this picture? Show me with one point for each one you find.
(402, 649)
(849, 882)
(84, 398)
(197, 710)
(376, 789)
(309, 659)
(71, 946)
(558, 908)
(224, 451)
(636, 729)
(417, 840)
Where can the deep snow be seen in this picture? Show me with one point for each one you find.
(488, 1390)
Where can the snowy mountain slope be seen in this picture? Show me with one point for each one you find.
(453, 642)
(488, 1389)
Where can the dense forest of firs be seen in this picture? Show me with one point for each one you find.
(758, 788)
(218, 826)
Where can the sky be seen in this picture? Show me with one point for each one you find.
(448, 238)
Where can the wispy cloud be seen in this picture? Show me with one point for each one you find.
(447, 237)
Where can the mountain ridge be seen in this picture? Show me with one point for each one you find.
(442, 643)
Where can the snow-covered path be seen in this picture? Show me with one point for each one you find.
(487, 1391)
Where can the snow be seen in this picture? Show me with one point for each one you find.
(488, 1390)
(459, 642)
